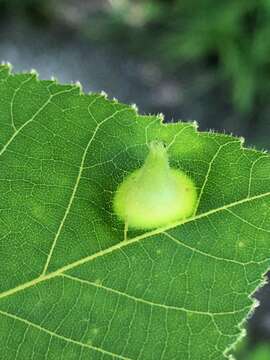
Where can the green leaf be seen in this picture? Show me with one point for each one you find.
(71, 288)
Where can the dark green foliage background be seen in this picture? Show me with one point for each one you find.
(233, 34)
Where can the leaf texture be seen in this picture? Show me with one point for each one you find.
(70, 287)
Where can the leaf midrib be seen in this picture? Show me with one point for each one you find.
(128, 242)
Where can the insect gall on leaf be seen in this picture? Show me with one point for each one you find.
(156, 194)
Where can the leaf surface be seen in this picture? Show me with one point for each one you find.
(70, 287)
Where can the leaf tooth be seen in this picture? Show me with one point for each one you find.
(135, 108)
(195, 124)
(54, 79)
(34, 72)
(242, 324)
(253, 148)
(7, 64)
(242, 334)
(104, 94)
(242, 140)
(161, 117)
(79, 86)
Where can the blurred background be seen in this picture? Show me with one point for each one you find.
(193, 60)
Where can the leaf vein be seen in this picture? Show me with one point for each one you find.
(15, 134)
(148, 302)
(73, 194)
(122, 244)
(51, 333)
